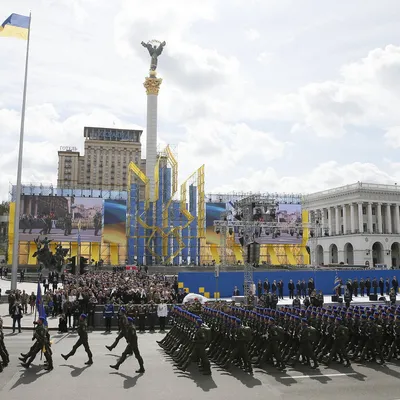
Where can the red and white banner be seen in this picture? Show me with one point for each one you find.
(131, 268)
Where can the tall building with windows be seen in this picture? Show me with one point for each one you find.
(104, 164)
(356, 224)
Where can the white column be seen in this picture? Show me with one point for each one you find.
(352, 219)
(337, 220)
(360, 218)
(344, 208)
(323, 222)
(369, 216)
(397, 216)
(330, 221)
(388, 219)
(152, 85)
(379, 217)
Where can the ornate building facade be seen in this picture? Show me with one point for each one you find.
(356, 224)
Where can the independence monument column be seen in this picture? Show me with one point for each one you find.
(152, 85)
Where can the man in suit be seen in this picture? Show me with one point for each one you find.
(16, 313)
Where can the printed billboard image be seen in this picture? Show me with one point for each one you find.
(282, 215)
(61, 218)
(114, 230)
(213, 213)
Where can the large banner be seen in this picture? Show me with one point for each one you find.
(114, 230)
(60, 218)
(213, 213)
(285, 214)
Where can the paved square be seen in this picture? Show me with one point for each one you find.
(72, 379)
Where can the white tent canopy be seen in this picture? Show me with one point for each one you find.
(191, 297)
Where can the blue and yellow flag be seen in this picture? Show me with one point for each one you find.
(16, 26)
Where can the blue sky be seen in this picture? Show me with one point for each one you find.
(272, 95)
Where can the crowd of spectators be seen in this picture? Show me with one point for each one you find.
(67, 296)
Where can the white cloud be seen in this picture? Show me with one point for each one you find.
(263, 93)
(324, 176)
(264, 58)
(392, 137)
(252, 34)
(366, 94)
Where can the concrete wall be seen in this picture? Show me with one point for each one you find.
(198, 282)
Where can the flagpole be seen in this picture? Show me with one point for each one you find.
(15, 254)
(78, 255)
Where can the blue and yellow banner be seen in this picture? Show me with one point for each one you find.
(16, 26)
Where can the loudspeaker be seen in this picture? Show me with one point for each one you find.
(382, 298)
(334, 299)
(340, 300)
(253, 253)
(373, 297)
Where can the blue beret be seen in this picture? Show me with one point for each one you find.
(371, 317)
(384, 314)
(83, 316)
(130, 319)
(42, 318)
(332, 317)
(376, 313)
(199, 321)
(391, 315)
(338, 319)
(304, 320)
(357, 315)
(363, 316)
(314, 313)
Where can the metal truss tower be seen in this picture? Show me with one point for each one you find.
(249, 228)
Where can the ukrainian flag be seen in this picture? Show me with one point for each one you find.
(15, 26)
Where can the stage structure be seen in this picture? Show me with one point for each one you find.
(67, 210)
(167, 229)
(282, 230)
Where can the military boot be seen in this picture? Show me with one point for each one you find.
(141, 370)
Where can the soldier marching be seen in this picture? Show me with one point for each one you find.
(247, 337)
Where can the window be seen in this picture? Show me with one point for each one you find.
(364, 227)
(364, 210)
(341, 214)
(373, 211)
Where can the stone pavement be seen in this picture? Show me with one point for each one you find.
(72, 379)
(29, 287)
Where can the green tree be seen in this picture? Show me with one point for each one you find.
(4, 207)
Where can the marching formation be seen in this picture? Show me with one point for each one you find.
(228, 334)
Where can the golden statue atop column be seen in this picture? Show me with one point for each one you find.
(152, 83)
